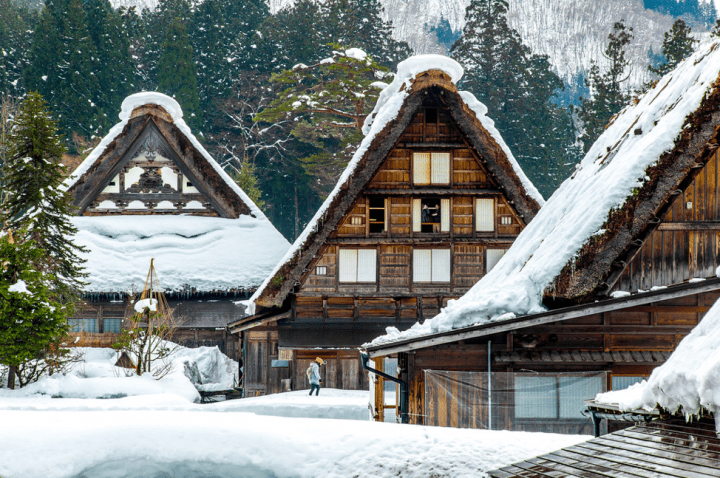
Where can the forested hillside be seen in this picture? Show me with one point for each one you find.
(286, 137)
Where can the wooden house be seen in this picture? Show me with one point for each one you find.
(613, 272)
(675, 411)
(428, 204)
(150, 190)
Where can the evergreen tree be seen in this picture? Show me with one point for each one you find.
(358, 23)
(177, 73)
(608, 95)
(112, 42)
(246, 178)
(31, 320)
(291, 36)
(327, 104)
(35, 203)
(63, 68)
(518, 88)
(16, 24)
(677, 45)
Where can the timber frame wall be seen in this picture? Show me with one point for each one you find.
(628, 341)
(329, 315)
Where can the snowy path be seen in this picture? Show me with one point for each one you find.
(149, 443)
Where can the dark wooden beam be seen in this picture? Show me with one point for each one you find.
(425, 238)
(690, 226)
(433, 191)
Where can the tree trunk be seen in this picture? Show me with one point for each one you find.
(11, 377)
(297, 215)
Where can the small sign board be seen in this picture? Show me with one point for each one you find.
(280, 363)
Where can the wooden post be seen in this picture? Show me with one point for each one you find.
(379, 390)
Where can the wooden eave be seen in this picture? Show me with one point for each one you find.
(566, 313)
(476, 138)
(600, 262)
(174, 145)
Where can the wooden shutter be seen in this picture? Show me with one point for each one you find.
(417, 215)
(421, 168)
(348, 265)
(444, 215)
(422, 264)
(485, 215)
(366, 263)
(441, 265)
(440, 168)
(493, 257)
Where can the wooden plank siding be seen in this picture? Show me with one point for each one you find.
(399, 295)
(623, 342)
(687, 242)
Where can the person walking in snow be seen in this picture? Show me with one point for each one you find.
(314, 376)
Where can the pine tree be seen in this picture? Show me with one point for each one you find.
(327, 104)
(16, 24)
(116, 75)
(153, 28)
(246, 177)
(358, 23)
(35, 203)
(677, 45)
(518, 88)
(291, 36)
(608, 95)
(31, 320)
(63, 68)
(177, 73)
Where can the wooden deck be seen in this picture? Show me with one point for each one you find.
(658, 449)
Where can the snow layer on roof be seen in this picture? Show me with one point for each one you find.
(203, 253)
(689, 379)
(173, 109)
(611, 170)
(386, 109)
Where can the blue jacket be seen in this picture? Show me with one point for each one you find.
(315, 374)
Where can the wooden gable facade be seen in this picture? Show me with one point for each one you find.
(152, 167)
(619, 306)
(431, 207)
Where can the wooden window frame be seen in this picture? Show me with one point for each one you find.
(357, 265)
(432, 252)
(430, 182)
(476, 211)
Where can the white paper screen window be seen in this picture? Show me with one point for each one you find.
(366, 265)
(358, 265)
(348, 265)
(321, 270)
(417, 215)
(440, 168)
(431, 265)
(445, 215)
(421, 168)
(484, 215)
(441, 265)
(422, 265)
(493, 257)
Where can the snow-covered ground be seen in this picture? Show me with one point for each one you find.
(158, 430)
(205, 441)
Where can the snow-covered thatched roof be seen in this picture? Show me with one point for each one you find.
(192, 253)
(393, 112)
(599, 216)
(690, 379)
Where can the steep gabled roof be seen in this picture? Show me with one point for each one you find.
(597, 220)
(193, 254)
(396, 107)
(154, 121)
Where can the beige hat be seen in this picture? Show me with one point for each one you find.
(319, 360)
